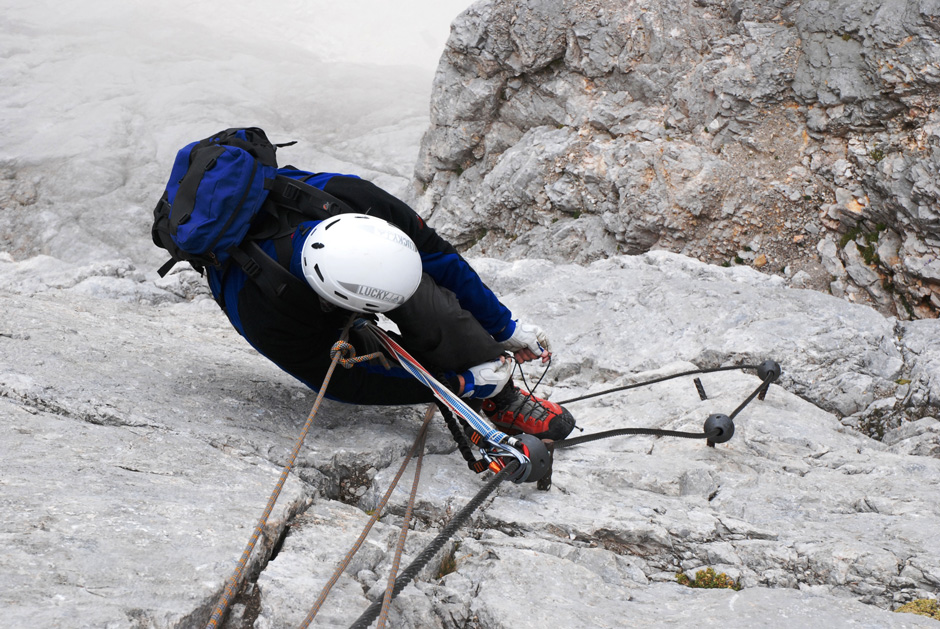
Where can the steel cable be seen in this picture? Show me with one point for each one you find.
(437, 543)
(376, 513)
(655, 381)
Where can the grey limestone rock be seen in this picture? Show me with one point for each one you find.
(695, 127)
(142, 438)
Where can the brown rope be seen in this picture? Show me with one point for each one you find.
(231, 586)
(403, 534)
(348, 358)
(376, 513)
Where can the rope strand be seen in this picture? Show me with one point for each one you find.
(403, 534)
(221, 608)
(431, 549)
(376, 513)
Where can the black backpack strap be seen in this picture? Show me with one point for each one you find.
(272, 276)
(289, 199)
(256, 143)
(202, 160)
(277, 224)
(308, 200)
(160, 233)
(169, 264)
(275, 281)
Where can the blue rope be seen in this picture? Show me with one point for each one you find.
(441, 392)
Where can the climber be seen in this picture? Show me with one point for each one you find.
(382, 258)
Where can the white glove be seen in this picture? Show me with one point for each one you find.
(527, 336)
(486, 380)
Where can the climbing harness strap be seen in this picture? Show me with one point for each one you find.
(459, 432)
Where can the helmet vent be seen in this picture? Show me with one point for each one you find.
(363, 265)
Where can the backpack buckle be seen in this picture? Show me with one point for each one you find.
(250, 267)
(290, 191)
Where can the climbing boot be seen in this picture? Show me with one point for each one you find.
(513, 410)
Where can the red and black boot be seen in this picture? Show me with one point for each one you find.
(513, 410)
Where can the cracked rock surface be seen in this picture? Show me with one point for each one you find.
(142, 438)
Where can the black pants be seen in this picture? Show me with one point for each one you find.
(432, 325)
(441, 334)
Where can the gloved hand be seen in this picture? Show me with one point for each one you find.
(528, 342)
(486, 380)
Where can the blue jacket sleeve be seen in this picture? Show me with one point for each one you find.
(439, 258)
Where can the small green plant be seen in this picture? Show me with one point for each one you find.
(448, 563)
(870, 255)
(708, 578)
(923, 607)
(477, 237)
(902, 381)
(877, 155)
(869, 251)
(907, 306)
(849, 236)
(846, 37)
(577, 214)
(738, 260)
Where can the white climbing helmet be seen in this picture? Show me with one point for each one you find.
(361, 263)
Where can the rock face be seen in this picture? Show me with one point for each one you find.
(736, 132)
(142, 437)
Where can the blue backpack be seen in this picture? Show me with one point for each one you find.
(224, 194)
